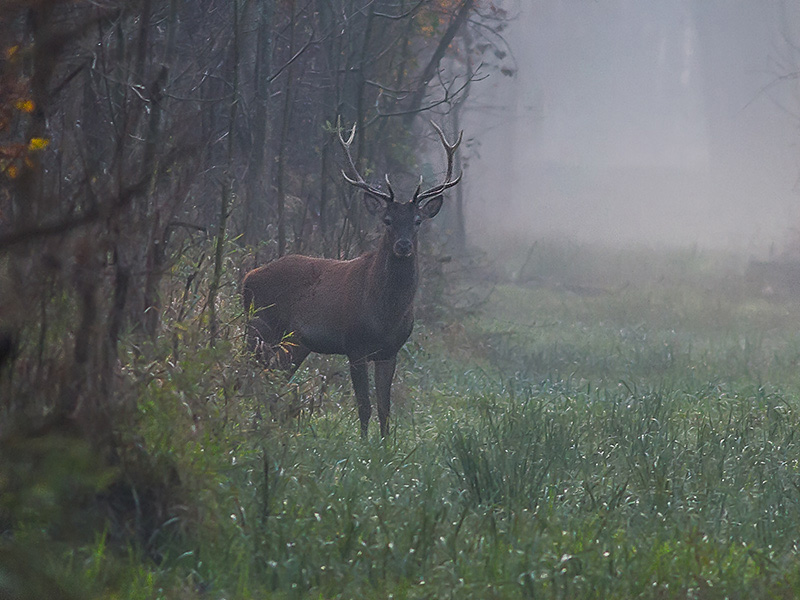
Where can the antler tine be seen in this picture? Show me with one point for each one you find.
(419, 187)
(389, 187)
(359, 181)
(450, 149)
(352, 135)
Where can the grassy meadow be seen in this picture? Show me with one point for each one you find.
(607, 424)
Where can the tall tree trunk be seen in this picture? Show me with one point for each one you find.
(258, 171)
(361, 121)
(460, 228)
(331, 106)
(282, 147)
(415, 105)
(155, 256)
(227, 187)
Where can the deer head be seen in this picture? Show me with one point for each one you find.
(402, 219)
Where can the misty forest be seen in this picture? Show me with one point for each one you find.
(219, 219)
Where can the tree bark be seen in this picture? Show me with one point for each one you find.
(258, 171)
(287, 115)
(415, 105)
(227, 188)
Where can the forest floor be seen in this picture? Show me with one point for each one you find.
(609, 424)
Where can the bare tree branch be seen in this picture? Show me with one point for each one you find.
(433, 64)
(402, 16)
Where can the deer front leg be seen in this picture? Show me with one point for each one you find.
(360, 377)
(384, 373)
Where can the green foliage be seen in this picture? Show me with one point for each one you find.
(635, 442)
(46, 484)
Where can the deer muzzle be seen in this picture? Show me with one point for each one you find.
(403, 248)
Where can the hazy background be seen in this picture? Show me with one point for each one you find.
(672, 122)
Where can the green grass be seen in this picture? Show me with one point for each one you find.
(629, 431)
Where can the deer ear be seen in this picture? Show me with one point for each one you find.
(432, 207)
(374, 204)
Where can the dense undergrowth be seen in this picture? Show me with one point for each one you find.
(611, 425)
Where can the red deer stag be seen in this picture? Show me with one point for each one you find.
(362, 308)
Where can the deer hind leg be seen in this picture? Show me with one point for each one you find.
(254, 335)
(273, 349)
(360, 377)
(261, 341)
(297, 353)
(384, 373)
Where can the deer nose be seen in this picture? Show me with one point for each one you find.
(403, 248)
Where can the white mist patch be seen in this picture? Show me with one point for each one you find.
(643, 122)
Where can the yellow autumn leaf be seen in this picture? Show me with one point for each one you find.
(12, 171)
(38, 143)
(10, 52)
(25, 105)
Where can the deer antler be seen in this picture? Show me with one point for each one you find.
(448, 183)
(359, 180)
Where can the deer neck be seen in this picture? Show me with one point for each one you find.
(394, 280)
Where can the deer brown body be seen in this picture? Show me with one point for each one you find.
(362, 308)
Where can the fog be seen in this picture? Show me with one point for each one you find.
(667, 123)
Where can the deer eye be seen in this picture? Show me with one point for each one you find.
(387, 221)
(417, 220)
